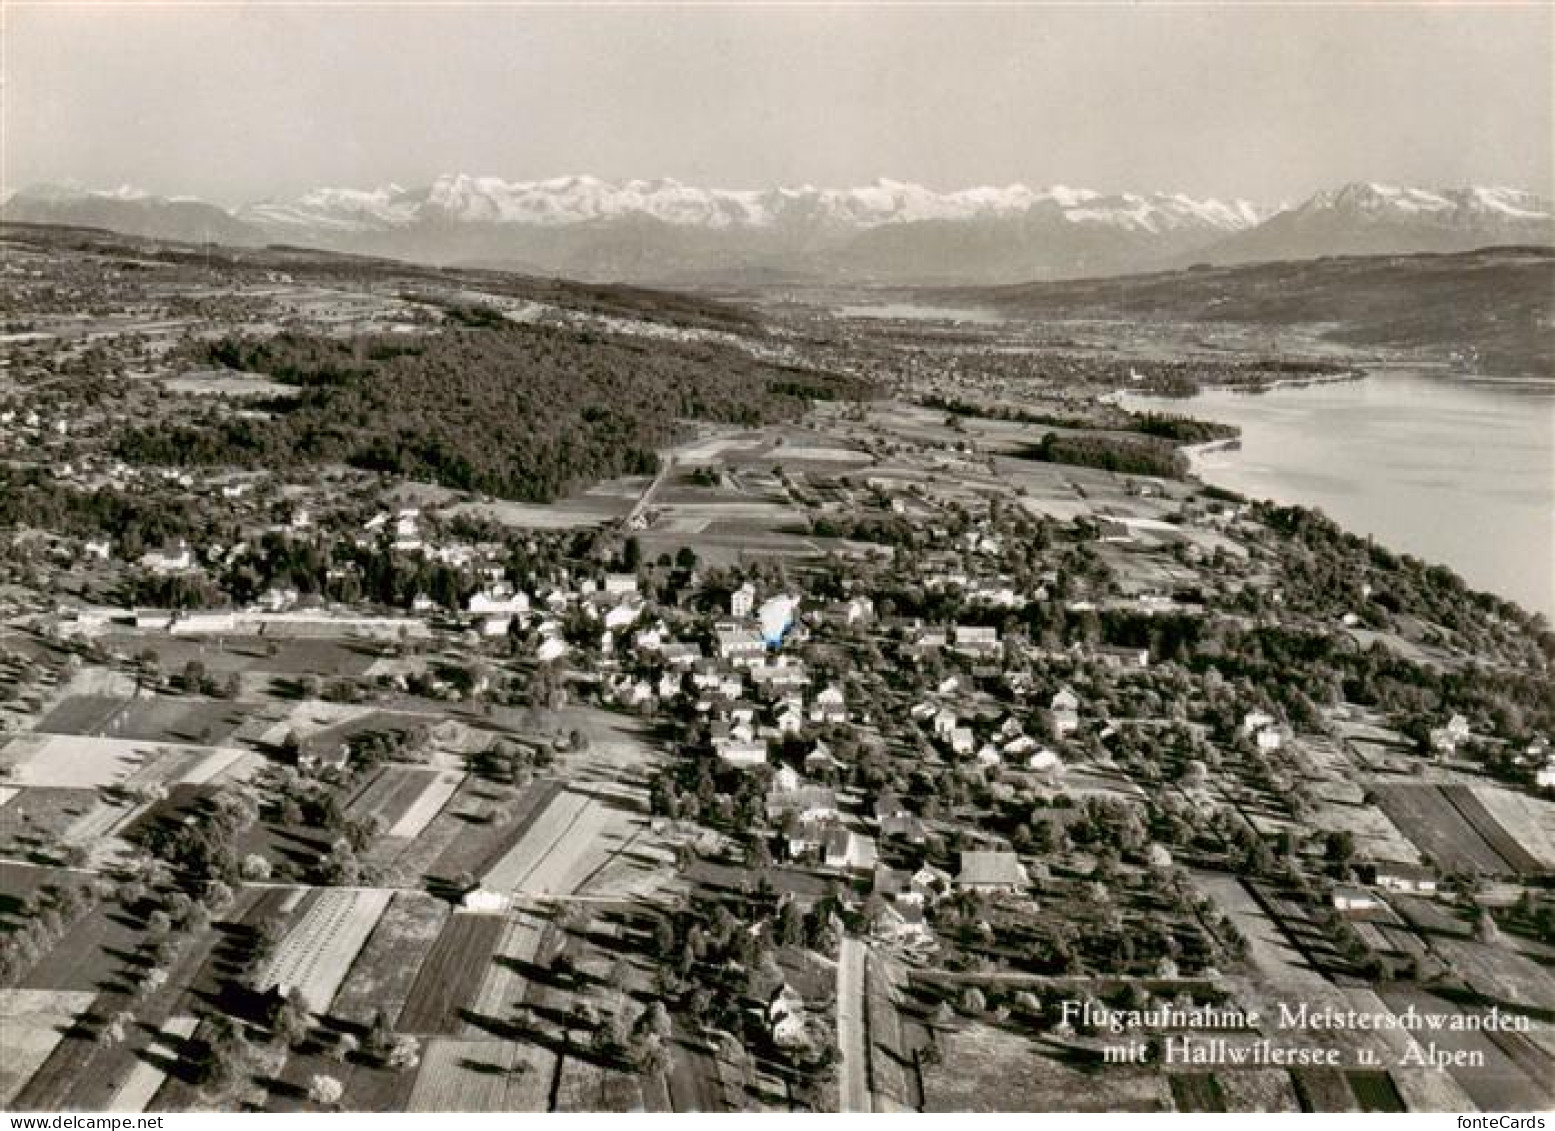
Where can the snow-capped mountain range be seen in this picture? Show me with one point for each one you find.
(664, 231)
(581, 200)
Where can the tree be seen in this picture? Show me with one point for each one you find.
(972, 1000)
(404, 1053)
(290, 1018)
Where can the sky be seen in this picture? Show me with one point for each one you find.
(248, 101)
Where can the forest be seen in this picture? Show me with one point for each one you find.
(520, 412)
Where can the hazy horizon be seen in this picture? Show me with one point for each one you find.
(235, 104)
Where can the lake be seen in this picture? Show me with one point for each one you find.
(1454, 471)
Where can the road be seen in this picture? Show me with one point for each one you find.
(666, 465)
(853, 1075)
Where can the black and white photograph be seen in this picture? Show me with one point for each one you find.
(776, 558)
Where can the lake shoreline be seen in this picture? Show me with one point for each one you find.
(1449, 472)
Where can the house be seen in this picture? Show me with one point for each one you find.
(930, 883)
(1544, 778)
(624, 614)
(1064, 713)
(988, 756)
(786, 1016)
(962, 740)
(1255, 721)
(620, 584)
(314, 756)
(991, 871)
(790, 720)
(945, 723)
(1124, 658)
(830, 706)
(1445, 740)
(902, 924)
(849, 851)
(810, 833)
(1410, 879)
(1044, 761)
(1020, 746)
(740, 752)
(551, 648)
(740, 646)
(742, 601)
(484, 901)
(859, 610)
(99, 548)
(977, 640)
(1269, 739)
(904, 826)
(499, 601)
(1111, 530)
(811, 803)
(681, 656)
(171, 558)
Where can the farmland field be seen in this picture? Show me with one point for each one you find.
(1500, 1084)
(178, 719)
(146, 1078)
(567, 843)
(1436, 827)
(1268, 948)
(461, 844)
(1528, 820)
(1197, 1091)
(395, 792)
(320, 948)
(1469, 803)
(385, 969)
(451, 975)
(1374, 1091)
(1258, 1089)
(1323, 1089)
(988, 1069)
(504, 983)
(460, 1075)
